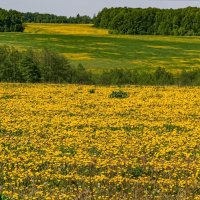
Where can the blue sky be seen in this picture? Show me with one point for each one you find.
(89, 7)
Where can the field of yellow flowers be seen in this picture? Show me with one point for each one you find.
(75, 142)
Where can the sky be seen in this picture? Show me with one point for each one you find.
(88, 7)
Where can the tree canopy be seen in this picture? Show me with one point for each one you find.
(11, 21)
(150, 21)
(50, 18)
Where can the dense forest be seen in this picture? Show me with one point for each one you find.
(150, 21)
(44, 66)
(50, 18)
(11, 21)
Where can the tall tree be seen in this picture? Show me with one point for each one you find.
(29, 68)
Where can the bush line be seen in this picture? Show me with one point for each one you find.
(44, 66)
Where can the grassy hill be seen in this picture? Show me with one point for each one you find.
(98, 50)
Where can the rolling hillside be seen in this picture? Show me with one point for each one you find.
(97, 50)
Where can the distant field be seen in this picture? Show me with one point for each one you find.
(98, 50)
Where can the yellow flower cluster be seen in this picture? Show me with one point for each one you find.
(66, 142)
(66, 29)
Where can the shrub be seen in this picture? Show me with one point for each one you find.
(162, 77)
(29, 68)
(81, 75)
(190, 77)
(119, 94)
(91, 91)
(118, 77)
(54, 67)
(2, 197)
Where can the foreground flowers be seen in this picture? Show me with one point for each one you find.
(63, 142)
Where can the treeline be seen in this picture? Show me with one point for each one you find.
(159, 77)
(33, 66)
(150, 21)
(44, 66)
(50, 18)
(11, 21)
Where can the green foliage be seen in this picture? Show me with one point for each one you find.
(68, 150)
(10, 21)
(162, 77)
(93, 151)
(50, 18)
(135, 172)
(119, 94)
(82, 76)
(150, 21)
(29, 68)
(7, 96)
(91, 91)
(9, 65)
(2, 197)
(54, 67)
(118, 77)
(159, 77)
(190, 77)
(39, 66)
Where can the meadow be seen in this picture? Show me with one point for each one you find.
(97, 50)
(75, 142)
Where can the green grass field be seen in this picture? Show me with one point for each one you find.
(98, 50)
